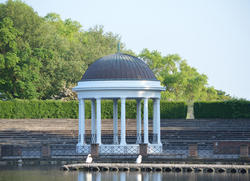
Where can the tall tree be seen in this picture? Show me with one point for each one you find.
(46, 55)
(182, 82)
(18, 73)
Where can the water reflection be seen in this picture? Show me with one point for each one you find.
(80, 176)
(139, 177)
(146, 177)
(121, 176)
(54, 174)
(158, 176)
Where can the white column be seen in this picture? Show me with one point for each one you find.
(145, 117)
(154, 120)
(115, 121)
(81, 122)
(138, 121)
(123, 121)
(93, 125)
(158, 120)
(98, 121)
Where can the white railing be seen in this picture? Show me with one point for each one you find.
(119, 149)
(83, 149)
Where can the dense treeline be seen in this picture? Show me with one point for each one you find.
(222, 109)
(16, 109)
(44, 57)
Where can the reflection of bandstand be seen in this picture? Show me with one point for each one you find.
(114, 77)
(114, 176)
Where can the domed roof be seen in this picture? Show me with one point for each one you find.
(118, 66)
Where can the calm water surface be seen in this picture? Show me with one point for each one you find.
(54, 174)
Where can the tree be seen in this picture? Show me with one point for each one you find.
(17, 67)
(182, 82)
(44, 57)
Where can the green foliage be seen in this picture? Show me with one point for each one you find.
(173, 110)
(182, 82)
(16, 109)
(222, 109)
(44, 57)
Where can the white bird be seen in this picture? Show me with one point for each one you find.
(139, 159)
(89, 159)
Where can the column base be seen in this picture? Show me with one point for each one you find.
(154, 148)
(139, 139)
(143, 149)
(94, 150)
(193, 150)
(123, 144)
(129, 149)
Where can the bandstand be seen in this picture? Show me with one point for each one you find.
(119, 77)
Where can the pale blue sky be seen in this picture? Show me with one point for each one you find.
(212, 35)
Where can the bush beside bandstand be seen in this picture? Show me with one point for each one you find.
(18, 109)
(222, 109)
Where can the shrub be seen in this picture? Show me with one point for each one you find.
(174, 110)
(222, 109)
(16, 109)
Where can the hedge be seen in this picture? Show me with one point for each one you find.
(17, 109)
(222, 109)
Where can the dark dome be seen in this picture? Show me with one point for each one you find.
(118, 66)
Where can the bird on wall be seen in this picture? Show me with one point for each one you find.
(89, 159)
(139, 159)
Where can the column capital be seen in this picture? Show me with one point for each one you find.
(80, 100)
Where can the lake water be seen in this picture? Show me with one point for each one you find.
(54, 174)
